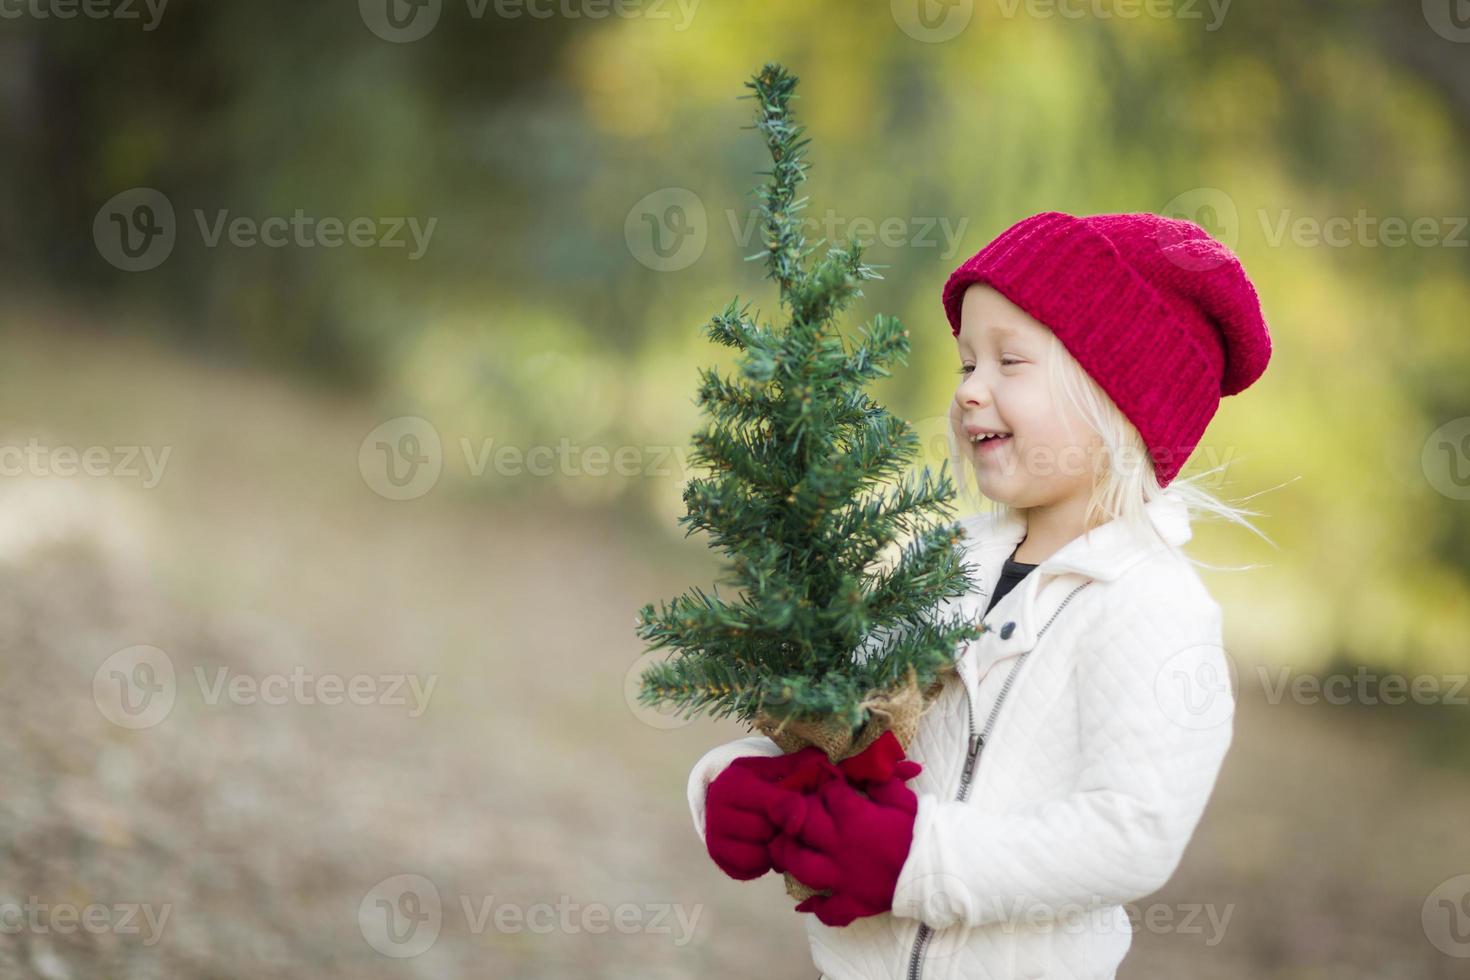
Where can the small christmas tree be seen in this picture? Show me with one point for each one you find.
(833, 639)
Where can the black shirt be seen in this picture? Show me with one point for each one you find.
(1011, 575)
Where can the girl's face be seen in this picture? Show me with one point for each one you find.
(1048, 454)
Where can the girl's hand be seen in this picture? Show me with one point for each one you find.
(749, 803)
(851, 844)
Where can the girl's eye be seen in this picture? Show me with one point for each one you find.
(1004, 362)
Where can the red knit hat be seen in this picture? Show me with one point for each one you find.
(1160, 314)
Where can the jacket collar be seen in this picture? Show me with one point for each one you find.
(1104, 554)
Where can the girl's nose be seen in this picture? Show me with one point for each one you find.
(972, 392)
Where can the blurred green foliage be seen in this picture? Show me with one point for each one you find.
(535, 316)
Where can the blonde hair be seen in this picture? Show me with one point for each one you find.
(1124, 480)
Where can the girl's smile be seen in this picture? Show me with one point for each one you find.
(989, 445)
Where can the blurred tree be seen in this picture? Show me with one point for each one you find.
(259, 110)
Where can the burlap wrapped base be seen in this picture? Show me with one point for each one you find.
(897, 710)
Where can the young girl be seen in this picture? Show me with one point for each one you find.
(1064, 767)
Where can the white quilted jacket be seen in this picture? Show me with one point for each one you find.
(1094, 716)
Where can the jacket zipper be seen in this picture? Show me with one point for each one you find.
(972, 756)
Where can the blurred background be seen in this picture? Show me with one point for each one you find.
(349, 357)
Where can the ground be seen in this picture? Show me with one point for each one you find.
(546, 815)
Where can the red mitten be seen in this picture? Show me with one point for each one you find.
(851, 844)
(807, 770)
(747, 804)
(879, 762)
